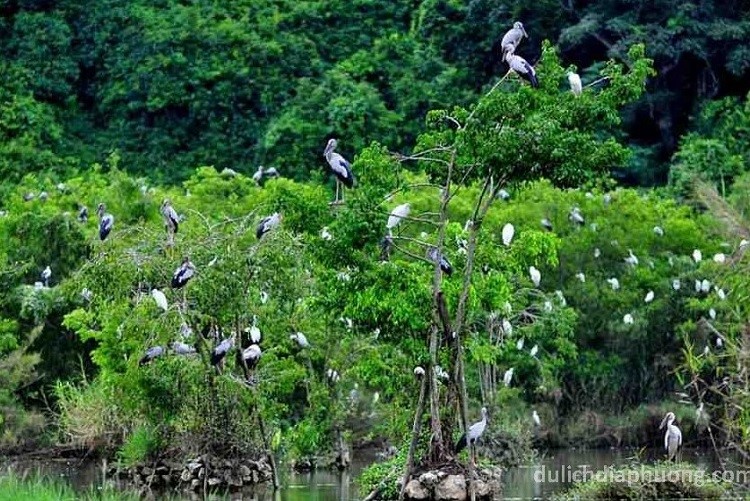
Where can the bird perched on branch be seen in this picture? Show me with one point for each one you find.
(470, 438)
(151, 353)
(522, 68)
(220, 352)
(576, 86)
(512, 38)
(397, 214)
(183, 273)
(251, 356)
(341, 168)
(267, 224)
(435, 256)
(106, 222)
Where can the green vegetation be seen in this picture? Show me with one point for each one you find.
(658, 481)
(129, 104)
(15, 488)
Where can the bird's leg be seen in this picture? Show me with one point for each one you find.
(336, 200)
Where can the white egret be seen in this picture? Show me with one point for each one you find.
(508, 232)
(580, 276)
(628, 319)
(614, 283)
(507, 327)
(397, 214)
(46, 274)
(649, 296)
(597, 253)
(325, 234)
(712, 314)
(576, 86)
(508, 377)
(720, 292)
(519, 344)
(300, 339)
(658, 231)
(536, 276)
(160, 298)
(536, 419)
(720, 258)
(697, 255)
(676, 284)
(534, 350)
(632, 260)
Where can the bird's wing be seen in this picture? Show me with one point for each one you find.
(666, 440)
(340, 165)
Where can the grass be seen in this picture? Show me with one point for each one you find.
(16, 488)
(659, 481)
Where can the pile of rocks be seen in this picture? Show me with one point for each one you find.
(203, 472)
(439, 485)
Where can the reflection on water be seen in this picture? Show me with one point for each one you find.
(556, 470)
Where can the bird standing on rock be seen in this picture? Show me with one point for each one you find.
(470, 438)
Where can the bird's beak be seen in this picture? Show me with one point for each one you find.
(524, 32)
(663, 422)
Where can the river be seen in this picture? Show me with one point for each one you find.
(556, 470)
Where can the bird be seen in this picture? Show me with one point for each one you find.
(535, 417)
(83, 214)
(676, 284)
(300, 338)
(672, 437)
(658, 231)
(151, 353)
(597, 253)
(632, 260)
(720, 258)
(503, 194)
(254, 332)
(218, 353)
(576, 216)
(46, 274)
(227, 172)
(628, 319)
(341, 168)
(508, 232)
(28, 197)
(712, 314)
(333, 376)
(251, 355)
(180, 348)
(106, 222)
(171, 220)
(263, 297)
(580, 276)
(512, 38)
(744, 243)
(607, 199)
(508, 377)
(720, 292)
(325, 234)
(474, 433)
(719, 342)
(614, 283)
(649, 296)
(576, 86)
(534, 350)
(418, 371)
(436, 257)
(267, 224)
(697, 255)
(507, 327)
(548, 306)
(705, 286)
(536, 275)
(546, 224)
(397, 215)
(522, 68)
(519, 344)
(262, 172)
(183, 273)
(86, 294)
(160, 298)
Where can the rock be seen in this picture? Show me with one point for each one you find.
(234, 481)
(428, 479)
(195, 484)
(416, 491)
(244, 471)
(166, 479)
(482, 489)
(162, 470)
(146, 471)
(213, 482)
(451, 488)
(201, 473)
(194, 466)
(186, 475)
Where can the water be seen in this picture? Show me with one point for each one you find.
(556, 469)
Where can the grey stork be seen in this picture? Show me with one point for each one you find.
(267, 224)
(171, 220)
(151, 353)
(180, 348)
(46, 274)
(512, 38)
(672, 437)
(106, 222)
(341, 168)
(251, 356)
(218, 353)
(183, 273)
(546, 224)
(522, 68)
(436, 257)
(83, 214)
(263, 172)
(300, 339)
(470, 438)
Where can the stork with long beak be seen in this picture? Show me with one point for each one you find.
(672, 438)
